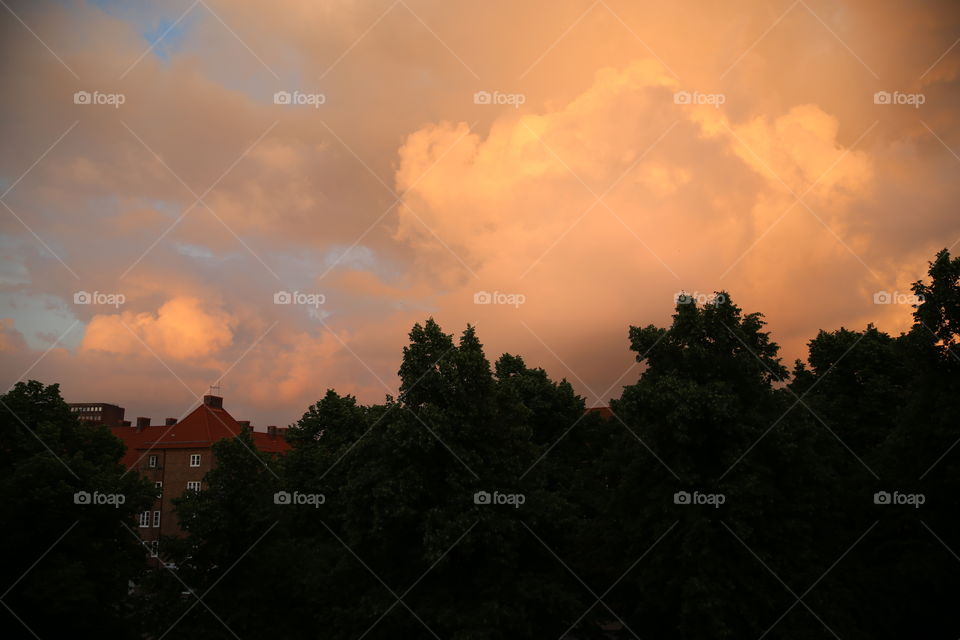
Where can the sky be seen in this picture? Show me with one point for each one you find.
(268, 195)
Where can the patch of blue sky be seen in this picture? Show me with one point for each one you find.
(302, 268)
(194, 251)
(161, 26)
(12, 270)
(169, 208)
(158, 23)
(41, 318)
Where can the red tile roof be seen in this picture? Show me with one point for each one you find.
(604, 412)
(200, 429)
(271, 444)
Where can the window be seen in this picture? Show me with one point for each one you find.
(145, 519)
(152, 462)
(194, 459)
(156, 518)
(193, 485)
(154, 546)
(159, 487)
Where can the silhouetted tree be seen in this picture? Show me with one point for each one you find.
(723, 499)
(68, 511)
(708, 421)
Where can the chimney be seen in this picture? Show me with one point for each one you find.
(245, 425)
(272, 431)
(214, 402)
(169, 422)
(142, 422)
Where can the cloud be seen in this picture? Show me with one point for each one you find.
(492, 198)
(181, 328)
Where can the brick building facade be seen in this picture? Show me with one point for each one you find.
(176, 456)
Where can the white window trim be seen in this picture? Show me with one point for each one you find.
(152, 462)
(156, 519)
(194, 457)
(145, 520)
(193, 484)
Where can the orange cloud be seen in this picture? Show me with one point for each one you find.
(182, 328)
(692, 194)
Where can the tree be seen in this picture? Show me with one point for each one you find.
(414, 519)
(230, 554)
(857, 383)
(939, 310)
(709, 423)
(68, 507)
(911, 566)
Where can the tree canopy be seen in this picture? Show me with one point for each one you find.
(727, 495)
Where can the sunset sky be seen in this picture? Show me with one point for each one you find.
(628, 150)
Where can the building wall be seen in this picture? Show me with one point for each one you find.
(174, 471)
(110, 415)
(153, 474)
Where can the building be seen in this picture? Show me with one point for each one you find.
(176, 456)
(604, 412)
(109, 415)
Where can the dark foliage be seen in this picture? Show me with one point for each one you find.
(726, 497)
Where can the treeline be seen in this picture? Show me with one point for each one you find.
(726, 497)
